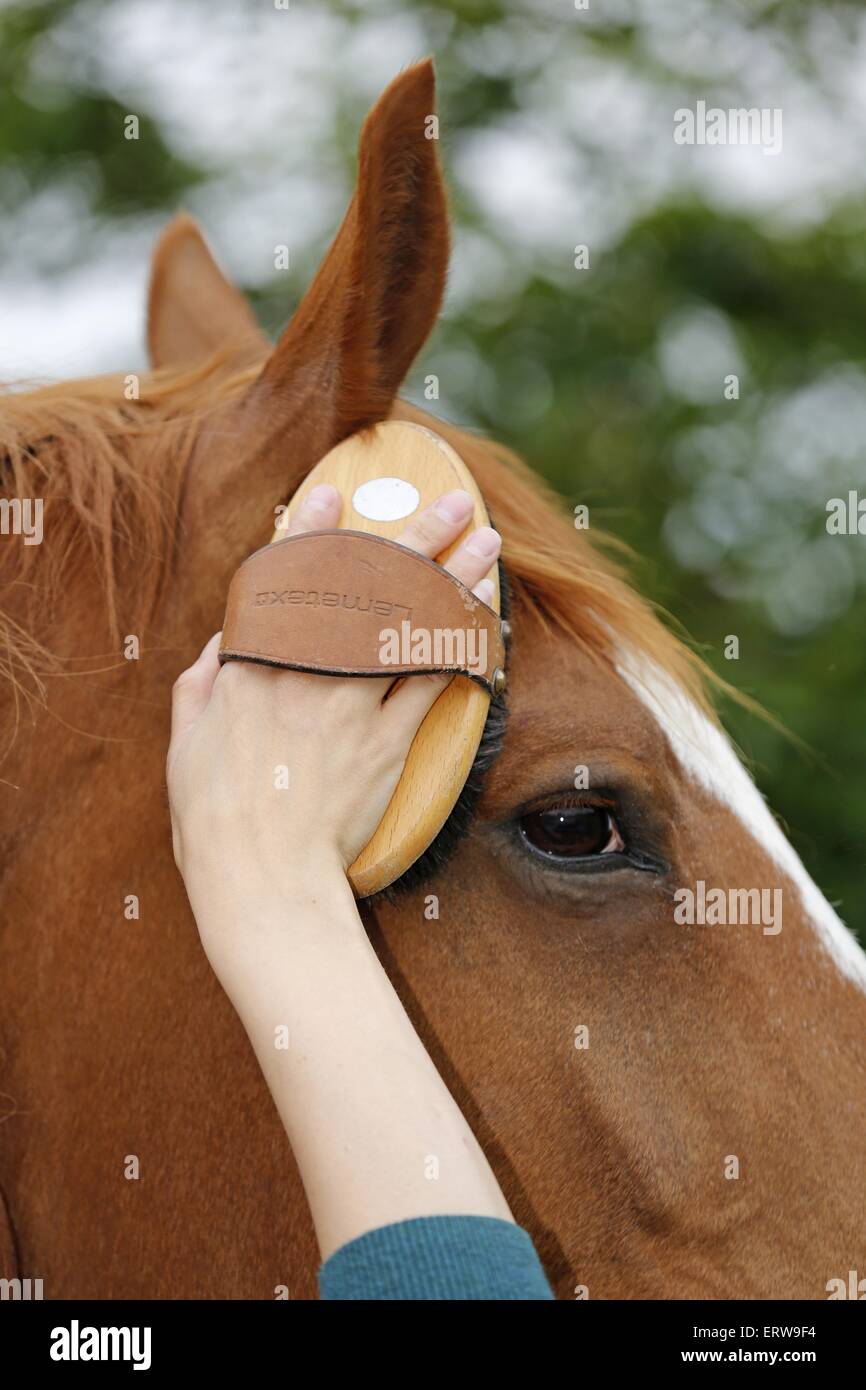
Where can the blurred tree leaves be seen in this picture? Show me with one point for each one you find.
(49, 128)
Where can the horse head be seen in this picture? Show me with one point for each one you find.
(647, 1011)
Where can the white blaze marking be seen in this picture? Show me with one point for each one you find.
(705, 753)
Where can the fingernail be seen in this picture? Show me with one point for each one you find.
(454, 506)
(484, 543)
(321, 497)
(485, 591)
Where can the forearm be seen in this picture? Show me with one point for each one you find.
(348, 1053)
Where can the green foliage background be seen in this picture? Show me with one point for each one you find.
(722, 501)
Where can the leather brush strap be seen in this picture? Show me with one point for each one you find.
(347, 603)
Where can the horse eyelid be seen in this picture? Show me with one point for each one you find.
(637, 854)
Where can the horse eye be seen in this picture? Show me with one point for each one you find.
(572, 832)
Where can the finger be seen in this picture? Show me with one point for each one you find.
(412, 701)
(192, 691)
(470, 563)
(429, 533)
(473, 559)
(438, 525)
(320, 509)
(485, 590)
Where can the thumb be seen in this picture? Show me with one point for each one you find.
(191, 693)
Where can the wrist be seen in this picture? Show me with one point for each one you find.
(266, 874)
(258, 918)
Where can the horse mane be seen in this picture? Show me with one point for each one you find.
(576, 580)
(111, 472)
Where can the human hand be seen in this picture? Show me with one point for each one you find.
(277, 775)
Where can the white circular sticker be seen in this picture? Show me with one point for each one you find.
(386, 499)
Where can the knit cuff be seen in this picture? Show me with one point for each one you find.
(437, 1257)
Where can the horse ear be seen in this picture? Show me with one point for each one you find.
(377, 293)
(193, 311)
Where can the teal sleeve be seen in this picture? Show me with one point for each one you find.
(437, 1257)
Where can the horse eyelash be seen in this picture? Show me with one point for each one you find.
(583, 799)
